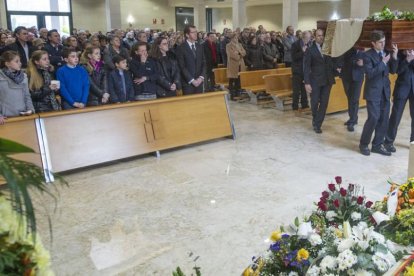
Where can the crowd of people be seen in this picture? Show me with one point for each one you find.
(40, 71)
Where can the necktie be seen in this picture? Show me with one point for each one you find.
(193, 49)
(380, 55)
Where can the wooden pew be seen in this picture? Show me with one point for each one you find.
(220, 77)
(253, 82)
(279, 86)
(23, 130)
(94, 135)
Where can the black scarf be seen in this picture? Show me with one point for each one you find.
(17, 76)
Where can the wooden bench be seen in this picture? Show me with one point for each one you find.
(279, 87)
(220, 77)
(253, 82)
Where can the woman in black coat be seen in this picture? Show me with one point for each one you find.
(254, 59)
(168, 81)
(144, 72)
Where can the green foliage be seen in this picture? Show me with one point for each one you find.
(400, 228)
(14, 258)
(387, 14)
(20, 177)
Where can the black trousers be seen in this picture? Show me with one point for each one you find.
(191, 89)
(319, 103)
(378, 113)
(299, 92)
(353, 92)
(396, 115)
(210, 80)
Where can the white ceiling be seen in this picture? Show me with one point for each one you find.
(228, 3)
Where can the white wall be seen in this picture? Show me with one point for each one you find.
(89, 15)
(309, 13)
(270, 16)
(219, 15)
(144, 11)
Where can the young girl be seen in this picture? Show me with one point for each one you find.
(15, 98)
(98, 90)
(41, 89)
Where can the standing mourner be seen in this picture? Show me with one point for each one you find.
(377, 64)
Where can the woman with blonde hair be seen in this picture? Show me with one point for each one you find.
(98, 89)
(235, 64)
(42, 90)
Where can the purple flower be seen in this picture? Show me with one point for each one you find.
(351, 187)
(325, 194)
(275, 246)
(332, 187)
(342, 191)
(336, 203)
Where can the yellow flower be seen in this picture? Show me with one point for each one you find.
(275, 236)
(302, 255)
(409, 271)
(339, 233)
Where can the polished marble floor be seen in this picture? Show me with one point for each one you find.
(218, 200)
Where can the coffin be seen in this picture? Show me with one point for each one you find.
(400, 32)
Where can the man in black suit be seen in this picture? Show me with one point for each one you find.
(352, 75)
(377, 64)
(54, 48)
(190, 56)
(298, 50)
(22, 45)
(319, 78)
(210, 54)
(403, 91)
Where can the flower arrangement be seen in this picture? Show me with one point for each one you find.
(20, 254)
(338, 238)
(387, 14)
(338, 204)
(363, 252)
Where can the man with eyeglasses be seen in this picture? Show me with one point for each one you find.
(190, 56)
(22, 46)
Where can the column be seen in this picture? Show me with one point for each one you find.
(200, 15)
(113, 14)
(239, 14)
(359, 8)
(290, 13)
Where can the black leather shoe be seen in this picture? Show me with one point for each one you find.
(350, 128)
(364, 150)
(381, 150)
(317, 130)
(346, 123)
(390, 147)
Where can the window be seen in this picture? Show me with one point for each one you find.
(39, 5)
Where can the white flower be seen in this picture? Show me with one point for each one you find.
(305, 229)
(363, 244)
(356, 216)
(330, 215)
(378, 237)
(315, 239)
(293, 274)
(345, 244)
(380, 263)
(346, 260)
(328, 262)
(313, 271)
(362, 272)
(391, 246)
(362, 224)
